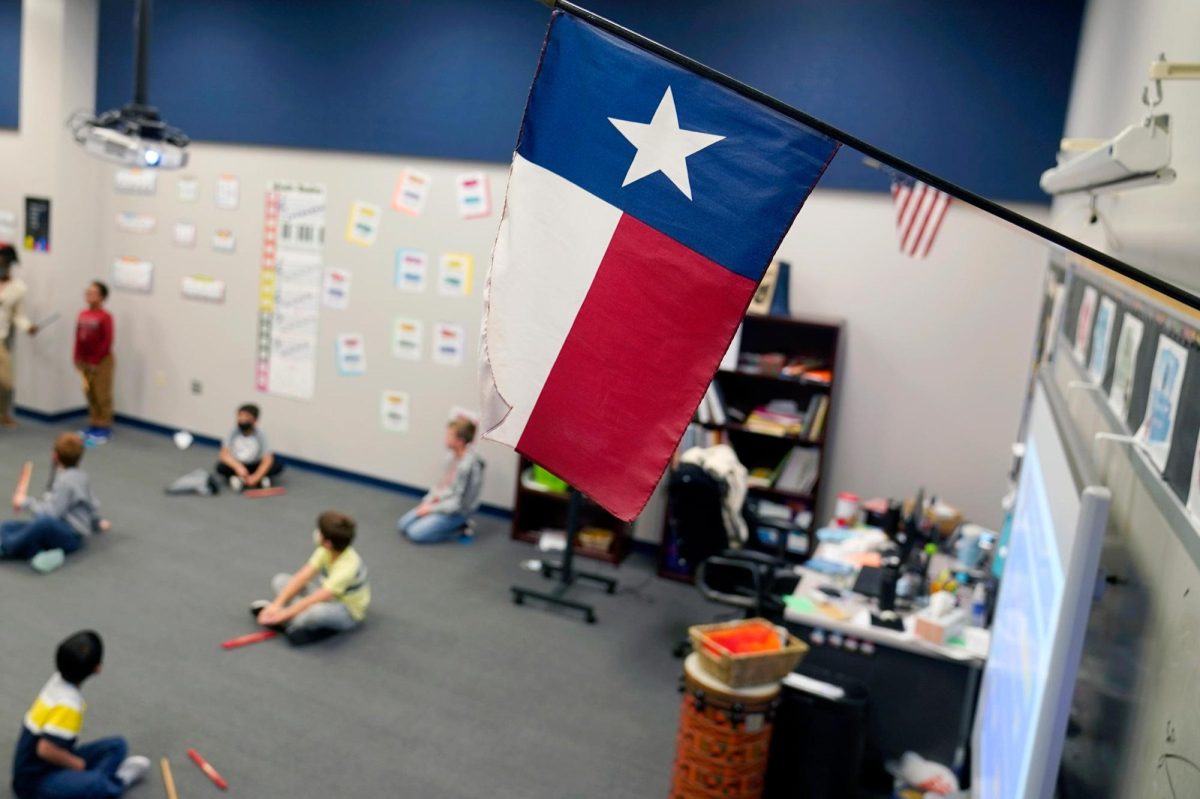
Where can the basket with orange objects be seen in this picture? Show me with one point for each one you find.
(749, 652)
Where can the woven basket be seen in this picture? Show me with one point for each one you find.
(742, 670)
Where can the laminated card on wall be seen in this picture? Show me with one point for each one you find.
(362, 227)
(131, 222)
(136, 181)
(393, 411)
(228, 192)
(351, 352)
(335, 291)
(183, 233)
(474, 195)
(187, 189)
(412, 269)
(133, 274)
(224, 241)
(454, 274)
(406, 338)
(412, 190)
(1125, 366)
(204, 288)
(449, 344)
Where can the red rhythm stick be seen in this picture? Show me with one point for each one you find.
(208, 770)
(246, 640)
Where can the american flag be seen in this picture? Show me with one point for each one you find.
(919, 213)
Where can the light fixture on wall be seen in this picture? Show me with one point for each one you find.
(1138, 156)
(134, 134)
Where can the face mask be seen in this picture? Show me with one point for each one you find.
(245, 427)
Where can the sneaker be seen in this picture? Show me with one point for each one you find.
(48, 560)
(467, 534)
(101, 433)
(258, 606)
(132, 769)
(236, 483)
(265, 482)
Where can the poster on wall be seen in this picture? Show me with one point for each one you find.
(362, 226)
(1124, 367)
(474, 195)
(1193, 497)
(228, 192)
(406, 338)
(290, 278)
(224, 241)
(351, 352)
(454, 274)
(335, 290)
(136, 181)
(131, 222)
(183, 233)
(393, 411)
(449, 344)
(1083, 324)
(1166, 381)
(412, 190)
(203, 288)
(1106, 315)
(8, 227)
(133, 274)
(412, 268)
(187, 189)
(37, 224)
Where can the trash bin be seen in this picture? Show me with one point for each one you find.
(817, 749)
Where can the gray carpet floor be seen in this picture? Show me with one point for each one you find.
(448, 690)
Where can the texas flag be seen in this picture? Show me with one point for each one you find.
(644, 204)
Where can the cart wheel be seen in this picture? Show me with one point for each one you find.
(612, 588)
(518, 599)
(591, 618)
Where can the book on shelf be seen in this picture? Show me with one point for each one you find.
(817, 428)
(711, 409)
(799, 471)
(776, 418)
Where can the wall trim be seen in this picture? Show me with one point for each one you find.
(300, 463)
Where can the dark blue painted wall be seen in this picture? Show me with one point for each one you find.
(10, 63)
(973, 90)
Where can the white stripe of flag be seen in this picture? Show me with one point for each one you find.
(919, 213)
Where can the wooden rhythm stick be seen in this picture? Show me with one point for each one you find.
(246, 640)
(208, 770)
(259, 493)
(22, 485)
(168, 778)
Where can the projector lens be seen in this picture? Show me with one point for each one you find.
(153, 157)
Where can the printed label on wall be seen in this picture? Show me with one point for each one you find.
(133, 274)
(363, 225)
(228, 192)
(474, 195)
(203, 287)
(183, 233)
(449, 344)
(224, 241)
(351, 352)
(454, 274)
(335, 291)
(394, 411)
(188, 189)
(131, 222)
(136, 181)
(406, 338)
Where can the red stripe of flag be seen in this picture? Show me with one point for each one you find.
(920, 210)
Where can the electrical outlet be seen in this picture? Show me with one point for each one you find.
(197, 387)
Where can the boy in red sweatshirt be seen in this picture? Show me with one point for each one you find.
(94, 360)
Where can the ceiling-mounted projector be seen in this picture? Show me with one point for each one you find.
(133, 135)
(1138, 156)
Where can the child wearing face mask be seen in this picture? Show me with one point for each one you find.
(246, 460)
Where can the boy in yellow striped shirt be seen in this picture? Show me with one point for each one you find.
(48, 763)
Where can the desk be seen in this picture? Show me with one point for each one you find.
(922, 696)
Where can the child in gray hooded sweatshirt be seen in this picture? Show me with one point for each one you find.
(62, 519)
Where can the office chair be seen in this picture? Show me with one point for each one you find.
(753, 581)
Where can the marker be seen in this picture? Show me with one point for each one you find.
(208, 770)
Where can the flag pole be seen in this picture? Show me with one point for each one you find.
(882, 156)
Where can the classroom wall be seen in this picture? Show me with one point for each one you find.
(972, 91)
(166, 342)
(936, 354)
(58, 47)
(1152, 228)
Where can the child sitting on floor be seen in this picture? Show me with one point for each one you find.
(246, 460)
(444, 513)
(336, 604)
(62, 519)
(48, 761)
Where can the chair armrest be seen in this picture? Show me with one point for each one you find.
(736, 600)
(750, 556)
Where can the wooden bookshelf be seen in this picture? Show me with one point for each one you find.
(535, 510)
(797, 339)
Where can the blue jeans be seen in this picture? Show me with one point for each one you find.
(24, 539)
(432, 527)
(98, 781)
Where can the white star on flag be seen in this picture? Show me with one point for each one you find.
(662, 146)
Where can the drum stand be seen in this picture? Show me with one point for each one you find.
(567, 576)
